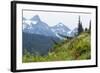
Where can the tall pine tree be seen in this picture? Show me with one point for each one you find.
(80, 28)
(90, 26)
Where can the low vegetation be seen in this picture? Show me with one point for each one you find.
(77, 48)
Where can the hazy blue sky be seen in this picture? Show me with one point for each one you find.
(53, 18)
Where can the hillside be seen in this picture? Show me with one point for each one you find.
(77, 48)
(35, 45)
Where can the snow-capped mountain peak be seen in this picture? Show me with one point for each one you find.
(60, 28)
(60, 24)
(39, 27)
(35, 18)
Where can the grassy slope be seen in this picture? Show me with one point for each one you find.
(77, 48)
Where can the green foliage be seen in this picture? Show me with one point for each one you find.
(78, 48)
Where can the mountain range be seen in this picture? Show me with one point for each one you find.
(39, 27)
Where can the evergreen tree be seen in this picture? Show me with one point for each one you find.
(90, 26)
(86, 29)
(80, 28)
